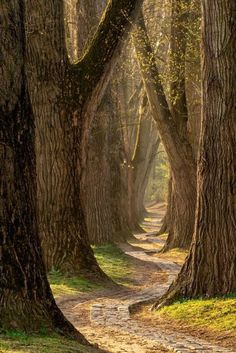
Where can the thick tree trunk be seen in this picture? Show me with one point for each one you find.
(62, 224)
(176, 143)
(26, 301)
(65, 98)
(102, 207)
(97, 196)
(179, 232)
(210, 269)
(119, 179)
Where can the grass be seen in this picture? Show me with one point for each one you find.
(20, 342)
(216, 314)
(111, 259)
(67, 285)
(176, 255)
(114, 263)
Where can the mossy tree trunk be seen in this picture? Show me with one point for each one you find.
(210, 269)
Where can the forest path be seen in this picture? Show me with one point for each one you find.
(105, 317)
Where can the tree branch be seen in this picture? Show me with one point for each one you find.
(97, 63)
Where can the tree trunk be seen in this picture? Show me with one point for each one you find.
(62, 225)
(176, 143)
(65, 98)
(146, 147)
(165, 222)
(210, 269)
(179, 236)
(104, 217)
(26, 301)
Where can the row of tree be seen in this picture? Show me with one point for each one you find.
(78, 144)
(41, 87)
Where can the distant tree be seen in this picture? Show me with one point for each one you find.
(102, 187)
(172, 127)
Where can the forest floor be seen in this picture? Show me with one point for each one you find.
(119, 319)
(104, 317)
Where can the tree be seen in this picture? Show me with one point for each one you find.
(102, 181)
(172, 130)
(26, 301)
(146, 147)
(24, 290)
(210, 269)
(65, 98)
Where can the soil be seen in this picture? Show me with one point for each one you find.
(148, 274)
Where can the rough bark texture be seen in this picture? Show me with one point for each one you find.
(178, 206)
(63, 230)
(177, 146)
(102, 187)
(26, 301)
(65, 98)
(210, 269)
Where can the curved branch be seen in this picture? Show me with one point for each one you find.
(96, 65)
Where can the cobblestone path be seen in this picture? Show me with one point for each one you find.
(117, 315)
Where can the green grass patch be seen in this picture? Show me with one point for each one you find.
(110, 258)
(114, 263)
(176, 255)
(67, 285)
(216, 314)
(20, 342)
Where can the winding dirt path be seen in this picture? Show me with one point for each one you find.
(105, 317)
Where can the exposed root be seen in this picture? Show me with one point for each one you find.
(173, 293)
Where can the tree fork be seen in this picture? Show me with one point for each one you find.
(70, 101)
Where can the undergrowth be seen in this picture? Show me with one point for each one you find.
(69, 285)
(216, 314)
(112, 261)
(20, 342)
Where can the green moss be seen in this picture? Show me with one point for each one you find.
(217, 314)
(19, 342)
(66, 285)
(114, 263)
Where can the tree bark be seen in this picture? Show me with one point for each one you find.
(65, 98)
(210, 269)
(177, 146)
(26, 301)
(102, 203)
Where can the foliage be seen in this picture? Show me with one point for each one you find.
(19, 342)
(216, 314)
